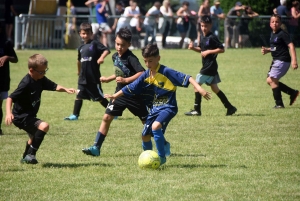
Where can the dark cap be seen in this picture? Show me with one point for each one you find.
(238, 3)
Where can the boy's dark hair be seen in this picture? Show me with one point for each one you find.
(85, 26)
(206, 19)
(125, 34)
(185, 3)
(150, 50)
(37, 60)
(276, 16)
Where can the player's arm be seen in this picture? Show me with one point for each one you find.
(103, 55)
(64, 89)
(114, 96)
(203, 93)
(191, 47)
(7, 58)
(214, 51)
(78, 67)
(293, 56)
(128, 80)
(104, 79)
(265, 50)
(9, 116)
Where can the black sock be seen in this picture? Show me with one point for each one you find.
(77, 107)
(26, 149)
(99, 139)
(277, 96)
(197, 104)
(104, 103)
(224, 99)
(286, 89)
(1, 116)
(36, 142)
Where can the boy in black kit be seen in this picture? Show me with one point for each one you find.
(27, 99)
(127, 69)
(280, 43)
(209, 47)
(7, 54)
(90, 55)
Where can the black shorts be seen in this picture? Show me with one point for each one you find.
(135, 105)
(90, 92)
(29, 124)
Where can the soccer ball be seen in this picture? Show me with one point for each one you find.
(149, 160)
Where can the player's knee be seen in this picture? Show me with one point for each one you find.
(44, 126)
(107, 118)
(156, 125)
(146, 138)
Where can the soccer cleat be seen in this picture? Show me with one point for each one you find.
(167, 149)
(231, 111)
(116, 117)
(294, 96)
(93, 151)
(29, 159)
(72, 117)
(1, 133)
(193, 113)
(163, 160)
(278, 107)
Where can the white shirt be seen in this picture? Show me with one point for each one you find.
(150, 20)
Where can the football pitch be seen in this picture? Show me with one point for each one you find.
(252, 155)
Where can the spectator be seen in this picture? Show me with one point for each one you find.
(182, 21)
(230, 22)
(203, 10)
(92, 7)
(282, 11)
(9, 18)
(295, 15)
(134, 24)
(216, 14)
(129, 12)
(101, 16)
(150, 22)
(167, 13)
(72, 20)
(246, 17)
(119, 11)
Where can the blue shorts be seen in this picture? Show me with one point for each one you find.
(162, 116)
(207, 79)
(3, 95)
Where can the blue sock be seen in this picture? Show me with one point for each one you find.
(147, 145)
(99, 139)
(159, 141)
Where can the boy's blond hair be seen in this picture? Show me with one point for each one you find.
(37, 60)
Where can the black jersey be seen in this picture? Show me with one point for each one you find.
(279, 45)
(88, 54)
(210, 65)
(128, 63)
(6, 48)
(27, 97)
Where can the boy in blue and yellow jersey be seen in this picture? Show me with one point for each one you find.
(163, 82)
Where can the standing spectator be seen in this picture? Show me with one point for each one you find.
(9, 18)
(101, 16)
(130, 11)
(119, 11)
(295, 15)
(72, 20)
(182, 21)
(167, 13)
(92, 7)
(246, 17)
(7, 55)
(230, 22)
(150, 22)
(216, 14)
(203, 10)
(282, 11)
(134, 23)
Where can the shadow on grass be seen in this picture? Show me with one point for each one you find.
(190, 166)
(73, 165)
(187, 155)
(249, 115)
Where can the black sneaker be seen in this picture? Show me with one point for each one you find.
(294, 96)
(278, 107)
(193, 113)
(231, 111)
(29, 159)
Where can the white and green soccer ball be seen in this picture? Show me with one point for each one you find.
(149, 160)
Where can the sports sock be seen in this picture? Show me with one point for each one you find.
(36, 142)
(77, 107)
(224, 99)
(147, 145)
(160, 142)
(286, 89)
(1, 116)
(26, 149)
(277, 96)
(197, 104)
(99, 139)
(104, 103)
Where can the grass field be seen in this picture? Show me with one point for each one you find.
(253, 155)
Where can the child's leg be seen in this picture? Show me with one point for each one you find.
(286, 89)
(104, 102)
(274, 84)
(38, 138)
(28, 143)
(1, 115)
(77, 107)
(159, 138)
(146, 142)
(197, 105)
(230, 108)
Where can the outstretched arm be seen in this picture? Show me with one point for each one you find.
(203, 93)
(114, 96)
(63, 89)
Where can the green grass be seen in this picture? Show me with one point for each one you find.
(253, 155)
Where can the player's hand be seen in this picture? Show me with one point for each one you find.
(191, 45)
(264, 50)
(121, 80)
(3, 60)
(111, 97)
(103, 79)
(100, 61)
(204, 53)
(205, 94)
(294, 65)
(9, 118)
(70, 91)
